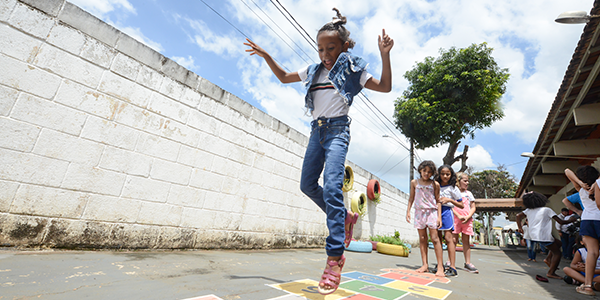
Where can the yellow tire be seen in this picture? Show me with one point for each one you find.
(359, 203)
(348, 179)
(392, 249)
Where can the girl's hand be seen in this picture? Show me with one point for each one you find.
(385, 42)
(439, 223)
(255, 49)
(408, 218)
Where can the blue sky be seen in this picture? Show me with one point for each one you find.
(523, 34)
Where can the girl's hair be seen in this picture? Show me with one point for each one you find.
(588, 175)
(534, 200)
(451, 181)
(460, 176)
(427, 164)
(338, 25)
(578, 240)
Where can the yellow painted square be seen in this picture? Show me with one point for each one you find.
(308, 288)
(419, 289)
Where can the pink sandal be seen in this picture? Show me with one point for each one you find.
(330, 278)
(351, 219)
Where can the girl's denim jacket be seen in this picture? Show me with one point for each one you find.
(345, 76)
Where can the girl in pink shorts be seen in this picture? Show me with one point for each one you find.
(425, 194)
(463, 219)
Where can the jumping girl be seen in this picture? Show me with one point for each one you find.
(449, 197)
(425, 194)
(331, 86)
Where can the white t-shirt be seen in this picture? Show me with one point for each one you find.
(540, 223)
(452, 192)
(526, 232)
(328, 103)
(583, 253)
(591, 211)
(564, 227)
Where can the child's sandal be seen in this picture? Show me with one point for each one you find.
(330, 278)
(351, 218)
(582, 290)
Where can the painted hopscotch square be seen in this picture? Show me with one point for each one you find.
(407, 278)
(418, 289)
(308, 288)
(367, 277)
(414, 273)
(374, 290)
(208, 297)
(362, 297)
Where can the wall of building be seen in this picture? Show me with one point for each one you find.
(106, 143)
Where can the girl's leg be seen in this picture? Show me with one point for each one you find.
(466, 248)
(451, 248)
(554, 260)
(312, 166)
(437, 246)
(423, 246)
(573, 274)
(592, 255)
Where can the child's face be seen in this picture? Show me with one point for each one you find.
(330, 46)
(426, 173)
(445, 175)
(463, 183)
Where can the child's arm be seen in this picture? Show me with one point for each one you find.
(471, 212)
(577, 183)
(385, 83)
(519, 223)
(436, 192)
(458, 204)
(577, 262)
(411, 199)
(572, 207)
(281, 74)
(562, 222)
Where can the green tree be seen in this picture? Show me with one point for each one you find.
(450, 97)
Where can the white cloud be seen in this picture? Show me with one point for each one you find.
(137, 34)
(209, 41)
(186, 62)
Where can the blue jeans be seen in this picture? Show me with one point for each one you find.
(567, 245)
(326, 153)
(530, 249)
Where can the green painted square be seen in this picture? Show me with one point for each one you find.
(371, 289)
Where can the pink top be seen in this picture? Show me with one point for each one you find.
(425, 196)
(467, 197)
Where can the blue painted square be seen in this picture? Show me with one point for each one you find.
(367, 277)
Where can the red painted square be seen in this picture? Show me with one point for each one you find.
(362, 297)
(408, 278)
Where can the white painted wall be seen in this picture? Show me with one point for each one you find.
(106, 143)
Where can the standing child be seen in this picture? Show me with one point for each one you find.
(425, 194)
(331, 86)
(576, 271)
(463, 219)
(530, 244)
(540, 218)
(582, 180)
(449, 197)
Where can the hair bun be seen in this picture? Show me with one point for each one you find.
(339, 19)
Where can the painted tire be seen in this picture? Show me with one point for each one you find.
(459, 249)
(392, 249)
(373, 189)
(357, 246)
(444, 246)
(348, 179)
(359, 203)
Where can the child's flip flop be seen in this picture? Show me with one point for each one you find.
(541, 278)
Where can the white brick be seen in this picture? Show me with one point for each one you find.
(198, 218)
(243, 123)
(146, 189)
(17, 44)
(181, 133)
(66, 38)
(207, 180)
(241, 155)
(214, 144)
(264, 163)
(50, 202)
(208, 105)
(204, 122)
(111, 209)
(48, 114)
(30, 168)
(222, 202)
(126, 66)
(232, 186)
(171, 88)
(125, 161)
(224, 113)
(124, 89)
(7, 193)
(226, 167)
(168, 107)
(31, 21)
(150, 78)
(68, 65)
(8, 97)
(157, 147)
(170, 171)
(110, 133)
(84, 98)
(227, 221)
(98, 53)
(91, 179)
(191, 97)
(254, 175)
(24, 77)
(160, 214)
(184, 196)
(17, 135)
(195, 158)
(62, 146)
(6, 7)
(140, 119)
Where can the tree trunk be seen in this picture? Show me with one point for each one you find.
(450, 159)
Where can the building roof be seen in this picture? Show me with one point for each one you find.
(499, 204)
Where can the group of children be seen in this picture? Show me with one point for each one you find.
(586, 180)
(445, 207)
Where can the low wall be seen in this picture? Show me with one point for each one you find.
(105, 143)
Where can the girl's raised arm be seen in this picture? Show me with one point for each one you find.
(281, 74)
(577, 183)
(385, 83)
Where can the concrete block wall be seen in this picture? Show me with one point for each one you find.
(105, 143)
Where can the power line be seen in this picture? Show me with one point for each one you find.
(394, 166)
(313, 43)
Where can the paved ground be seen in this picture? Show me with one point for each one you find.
(50, 274)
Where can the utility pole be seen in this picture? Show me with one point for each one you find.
(412, 162)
